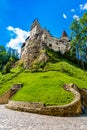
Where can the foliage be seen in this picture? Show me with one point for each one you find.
(38, 66)
(79, 37)
(3, 56)
(12, 53)
(7, 68)
(83, 21)
(70, 56)
(7, 57)
(53, 56)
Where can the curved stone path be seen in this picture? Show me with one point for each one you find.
(14, 120)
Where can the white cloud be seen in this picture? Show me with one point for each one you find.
(72, 10)
(83, 7)
(64, 16)
(76, 17)
(16, 42)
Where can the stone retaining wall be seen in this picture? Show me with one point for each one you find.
(72, 109)
(6, 96)
(83, 93)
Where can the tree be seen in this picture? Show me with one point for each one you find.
(7, 56)
(13, 53)
(83, 21)
(2, 56)
(79, 37)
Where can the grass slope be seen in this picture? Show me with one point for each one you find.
(46, 86)
(6, 80)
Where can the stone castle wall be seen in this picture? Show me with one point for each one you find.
(40, 38)
(57, 45)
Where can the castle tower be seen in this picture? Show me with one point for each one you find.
(35, 28)
(64, 36)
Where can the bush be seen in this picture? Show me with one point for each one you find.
(6, 68)
(38, 67)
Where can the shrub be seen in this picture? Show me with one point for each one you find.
(6, 68)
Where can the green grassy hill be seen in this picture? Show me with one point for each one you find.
(45, 86)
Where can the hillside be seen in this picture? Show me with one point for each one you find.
(46, 85)
(42, 70)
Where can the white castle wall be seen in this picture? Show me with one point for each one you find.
(56, 45)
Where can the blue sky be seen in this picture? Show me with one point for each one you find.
(16, 17)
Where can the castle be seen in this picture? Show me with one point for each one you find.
(40, 38)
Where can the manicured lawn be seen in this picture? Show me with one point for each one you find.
(46, 87)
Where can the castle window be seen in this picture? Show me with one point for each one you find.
(50, 45)
(23, 44)
(58, 48)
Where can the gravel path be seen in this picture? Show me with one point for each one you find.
(14, 120)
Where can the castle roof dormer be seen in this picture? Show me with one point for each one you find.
(64, 36)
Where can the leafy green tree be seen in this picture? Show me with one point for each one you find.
(6, 56)
(2, 56)
(83, 21)
(13, 53)
(79, 37)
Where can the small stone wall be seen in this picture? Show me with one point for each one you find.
(6, 96)
(72, 109)
(83, 93)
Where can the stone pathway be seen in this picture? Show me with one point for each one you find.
(14, 120)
